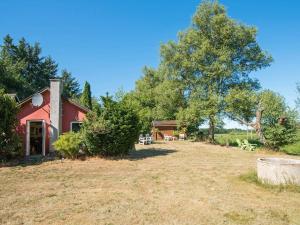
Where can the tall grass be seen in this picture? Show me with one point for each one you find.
(230, 138)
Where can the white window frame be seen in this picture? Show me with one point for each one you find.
(71, 124)
(28, 136)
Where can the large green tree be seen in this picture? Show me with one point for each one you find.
(86, 96)
(266, 112)
(9, 141)
(155, 98)
(216, 53)
(70, 85)
(24, 64)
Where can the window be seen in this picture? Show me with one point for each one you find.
(75, 126)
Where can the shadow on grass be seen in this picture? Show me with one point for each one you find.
(251, 177)
(133, 155)
(28, 161)
(149, 153)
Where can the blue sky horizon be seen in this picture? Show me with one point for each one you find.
(109, 42)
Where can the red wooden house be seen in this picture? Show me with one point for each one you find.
(44, 116)
(163, 128)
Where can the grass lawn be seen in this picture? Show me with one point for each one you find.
(172, 183)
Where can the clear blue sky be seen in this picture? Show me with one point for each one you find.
(108, 42)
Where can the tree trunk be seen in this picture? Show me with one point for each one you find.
(258, 128)
(256, 125)
(211, 129)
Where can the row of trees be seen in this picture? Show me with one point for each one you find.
(205, 77)
(23, 70)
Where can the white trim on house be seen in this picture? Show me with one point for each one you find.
(28, 136)
(72, 122)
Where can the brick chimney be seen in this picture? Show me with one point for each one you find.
(55, 111)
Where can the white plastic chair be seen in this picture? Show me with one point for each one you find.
(181, 137)
(142, 140)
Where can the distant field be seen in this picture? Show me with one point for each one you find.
(230, 138)
(166, 183)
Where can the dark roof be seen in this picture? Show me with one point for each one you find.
(30, 97)
(164, 123)
(48, 89)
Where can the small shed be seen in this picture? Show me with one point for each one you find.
(162, 128)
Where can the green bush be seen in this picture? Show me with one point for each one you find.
(9, 141)
(278, 135)
(293, 149)
(113, 131)
(70, 145)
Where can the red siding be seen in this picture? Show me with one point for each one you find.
(28, 112)
(164, 130)
(71, 113)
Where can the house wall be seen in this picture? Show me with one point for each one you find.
(27, 112)
(164, 130)
(71, 113)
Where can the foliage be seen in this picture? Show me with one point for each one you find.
(293, 148)
(246, 145)
(241, 104)
(176, 133)
(230, 139)
(70, 85)
(113, 131)
(96, 105)
(70, 145)
(23, 69)
(9, 141)
(213, 55)
(245, 105)
(86, 97)
(278, 135)
(154, 98)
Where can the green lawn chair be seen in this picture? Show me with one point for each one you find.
(249, 146)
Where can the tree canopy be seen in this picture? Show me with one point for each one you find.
(70, 85)
(86, 96)
(26, 66)
(9, 141)
(275, 123)
(212, 56)
(23, 69)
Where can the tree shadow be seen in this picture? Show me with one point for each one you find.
(148, 153)
(132, 156)
(28, 161)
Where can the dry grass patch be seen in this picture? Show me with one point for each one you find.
(166, 183)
